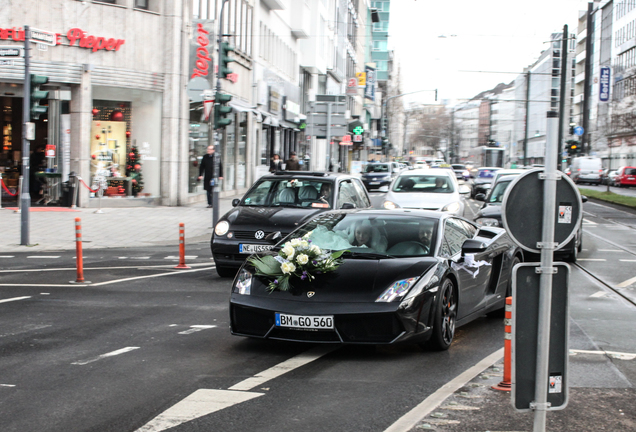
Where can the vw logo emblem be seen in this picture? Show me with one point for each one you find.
(310, 294)
(259, 234)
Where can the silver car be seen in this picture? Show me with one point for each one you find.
(427, 190)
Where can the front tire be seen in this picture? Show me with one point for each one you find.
(445, 317)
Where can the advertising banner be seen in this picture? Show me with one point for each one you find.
(369, 90)
(604, 84)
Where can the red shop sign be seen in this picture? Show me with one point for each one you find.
(202, 63)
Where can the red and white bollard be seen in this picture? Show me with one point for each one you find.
(506, 384)
(78, 250)
(182, 264)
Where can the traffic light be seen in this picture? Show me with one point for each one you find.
(574, 149)
(37, 95)
(221, 110)
(224, 59)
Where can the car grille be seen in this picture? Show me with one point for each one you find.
(253, 322)
(373, 328)
(249, 235)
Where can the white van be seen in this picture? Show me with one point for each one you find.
(587, 169)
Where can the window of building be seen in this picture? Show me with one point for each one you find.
(141, 4)
(382, 26)
(380, 46)
(382, 65)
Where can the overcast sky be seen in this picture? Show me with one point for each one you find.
(489, 35)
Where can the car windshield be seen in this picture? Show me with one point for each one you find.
(497, 193)
(375, 168)
(413, 183)
(458, 167)
(373, 235)
(301, 193)
(630, 171)
(487, 173)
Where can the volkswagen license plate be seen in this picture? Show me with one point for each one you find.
(324, 322)
(374, 183)
(253, 248)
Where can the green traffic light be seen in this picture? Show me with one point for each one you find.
(37, 95)
(224, 59)
(221, 110)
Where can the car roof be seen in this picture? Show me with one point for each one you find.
(308, 175)
(489, 168)
(420, 171)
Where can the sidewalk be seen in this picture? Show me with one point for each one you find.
(54, 228)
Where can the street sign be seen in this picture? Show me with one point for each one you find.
(331, 98)
(523, 210)
(6, 62)
(43, 37)
(369, 91)
(604, 84)
(346, 140)
(10, 51)
(358, 138)
(352, 86)
(578, 131)
(362, 78)
(525, 322)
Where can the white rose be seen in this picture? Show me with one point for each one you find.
(289, 251)
(315, 249)
(287, 267)
(306, 236)
(304, 244)
(302, 259)
(295, 242)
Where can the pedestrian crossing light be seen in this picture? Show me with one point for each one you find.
(222, 110)
(224, 59)
(37, 95)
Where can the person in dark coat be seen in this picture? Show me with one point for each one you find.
(292, 163)
(206, 172)
(275, 164)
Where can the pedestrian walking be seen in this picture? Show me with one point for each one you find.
(206, 172)
(275, 164)
(292, 164)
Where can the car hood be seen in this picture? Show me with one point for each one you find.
(482, 180)
(355, 281)
(430, 201)
(270, 218)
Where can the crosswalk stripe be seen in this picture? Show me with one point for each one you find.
(44, 256)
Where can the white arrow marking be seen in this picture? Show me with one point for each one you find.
(14, 299)
(197, 328)
(103, 356)
(200, 403)
(613, 354)
(627, 283)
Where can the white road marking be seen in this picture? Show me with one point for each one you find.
(149, 276)
(103, 356)
(44, 256)
(7, 385)
(610, 250)
(613, 354)
(626, 260)
(42, 285)
(592, 259)
(164, 266)
(197, 328)
(627, 283)
(139, 258)
(589, 222)
(200, 403)
(14, 299)
(7, 256)
(599, 294)
(284, 367)
(185, 257)
(411, 418)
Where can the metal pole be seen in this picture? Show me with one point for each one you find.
(25, 196)
(217, 134)
(328, 136)
(525, 137)
(564, 74)
(547, 246)
(585, 139)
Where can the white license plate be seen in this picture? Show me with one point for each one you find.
(374, 182)
(253, 248)
(324, 322)
(630, 178)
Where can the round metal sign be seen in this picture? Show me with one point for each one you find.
(522, 210)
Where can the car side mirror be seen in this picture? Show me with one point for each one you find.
(480, 197)
(583, 198)
(347, 206)
(383, 189)
(464, 190)
(473, 246)
(273, 237)
(235, 202)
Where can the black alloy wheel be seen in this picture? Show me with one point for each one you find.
(445, 317)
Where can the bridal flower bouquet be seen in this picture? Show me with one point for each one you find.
(298, 258)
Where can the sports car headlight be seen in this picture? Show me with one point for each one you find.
(487, 222)
(428, 282)
(221, 228)
(243, 284)
(451, 208)
(397, 290)
(390, 205)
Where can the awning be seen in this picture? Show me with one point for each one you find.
(240, 106)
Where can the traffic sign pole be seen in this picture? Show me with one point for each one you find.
(25, 196)
(547, 269)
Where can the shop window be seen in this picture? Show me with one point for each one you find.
(198, 143)
(147, 5)
(141, 4)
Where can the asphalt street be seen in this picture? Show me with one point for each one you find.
(146, 347)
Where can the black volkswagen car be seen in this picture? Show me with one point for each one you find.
(483, 180)
(276, 205)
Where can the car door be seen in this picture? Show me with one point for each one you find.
(346, 194)
(473, 271)
(363, 196)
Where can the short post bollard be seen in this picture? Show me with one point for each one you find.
(506, 384)
(78, 250)
(182, 264)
